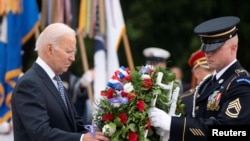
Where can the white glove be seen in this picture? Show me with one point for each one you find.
(164, 135)
(5, 128)
(159, 118)
(160, 131)
(87, 78)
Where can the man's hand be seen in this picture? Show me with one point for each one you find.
(99, 136)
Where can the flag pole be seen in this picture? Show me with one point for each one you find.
(102, 16)
(128, 51)
(85, 65)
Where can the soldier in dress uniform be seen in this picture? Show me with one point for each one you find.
(156, 57)
(223, 98)
(200, 70)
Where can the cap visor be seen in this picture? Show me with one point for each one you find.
(211, 47)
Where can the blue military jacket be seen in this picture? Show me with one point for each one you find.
(223, 102)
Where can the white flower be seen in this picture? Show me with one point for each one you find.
(109, 129)
(116, 104)
(145, 76)
(128, 87)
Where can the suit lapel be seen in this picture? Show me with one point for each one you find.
(218, 84)
(208, 90)
(54, 91)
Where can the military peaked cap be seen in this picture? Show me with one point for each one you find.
(215, 32)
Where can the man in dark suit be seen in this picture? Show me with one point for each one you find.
(40, 111)
(223, 99)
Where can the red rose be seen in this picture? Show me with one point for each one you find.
(147, 83)
(108, 93)
(132, 136)
(107, 117)
(123, 117)
(124, 94)
(140, 105)
(131, 96)
(128, 78)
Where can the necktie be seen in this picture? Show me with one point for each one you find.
(213, 79)
(61, 89)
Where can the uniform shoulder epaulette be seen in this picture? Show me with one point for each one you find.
(240, 72)
(242, 76)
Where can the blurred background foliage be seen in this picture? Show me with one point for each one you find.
(168, 24)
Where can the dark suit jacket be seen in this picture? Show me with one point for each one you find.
(39, 113)
(231, 91)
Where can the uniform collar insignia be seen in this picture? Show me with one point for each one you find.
(221, 81)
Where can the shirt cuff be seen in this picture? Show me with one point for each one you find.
(82, 137)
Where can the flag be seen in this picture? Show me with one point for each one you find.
(108, 25)
(100, 63)
(100, 67)
(82, 16)
(115, 30)
(56, 11)
(87, 18)
(107, 41)
(16, 29)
